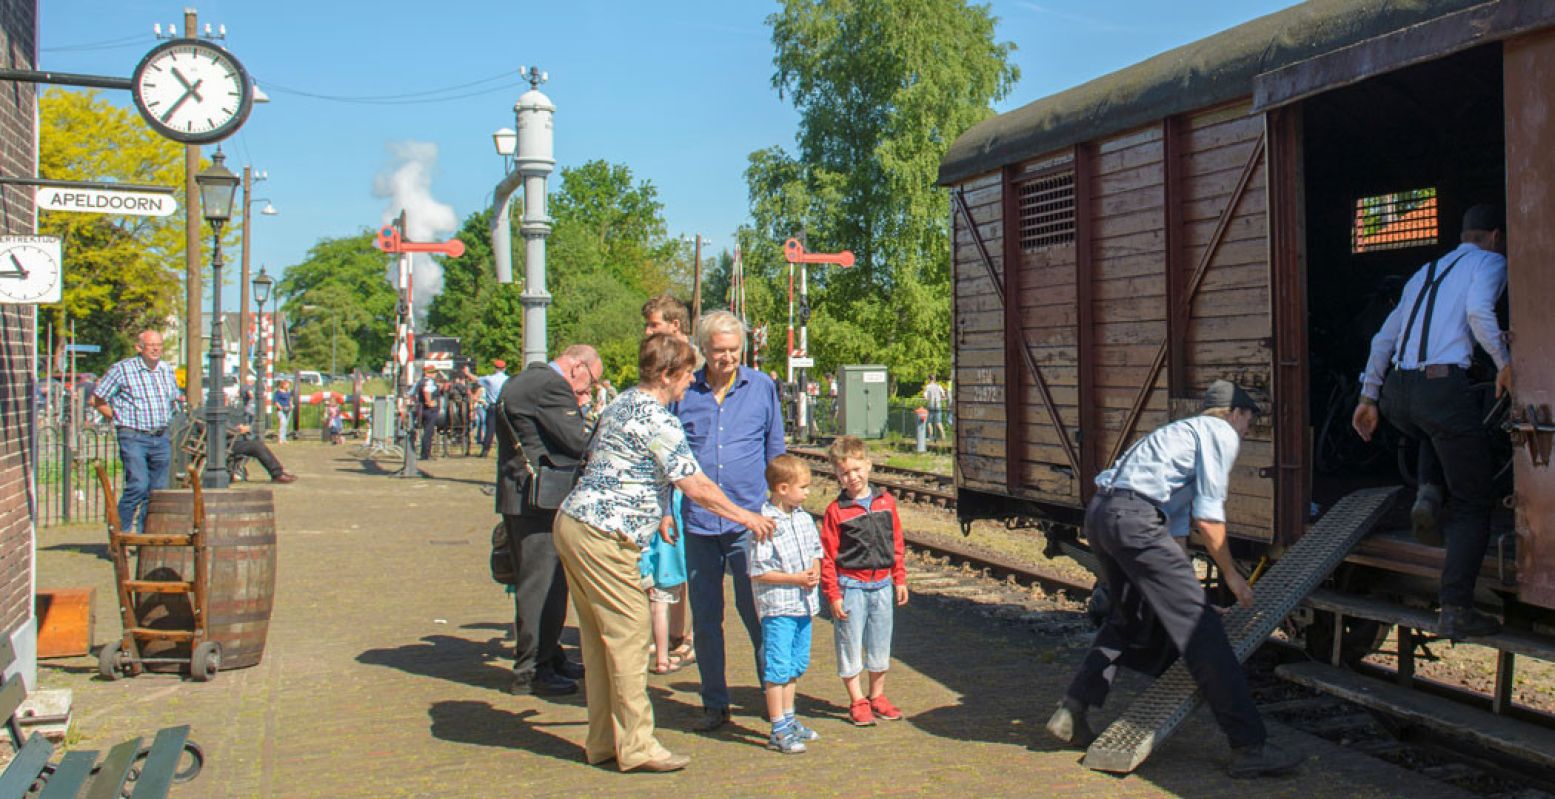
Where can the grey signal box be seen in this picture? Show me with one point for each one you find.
(866, 398)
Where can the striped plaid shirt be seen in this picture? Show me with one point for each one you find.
(794, 547)
(141, 398)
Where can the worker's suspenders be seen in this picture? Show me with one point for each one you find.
(1433, 283)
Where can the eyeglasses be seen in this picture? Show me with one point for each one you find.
(593, 378)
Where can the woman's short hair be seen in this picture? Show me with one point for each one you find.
(716, 322)
(662, 354)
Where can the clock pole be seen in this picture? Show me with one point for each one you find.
(192, 295)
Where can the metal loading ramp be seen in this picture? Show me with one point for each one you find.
(1155, 713)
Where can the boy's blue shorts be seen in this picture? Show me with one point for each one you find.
(786, 640)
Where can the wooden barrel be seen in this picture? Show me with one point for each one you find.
(240, 534)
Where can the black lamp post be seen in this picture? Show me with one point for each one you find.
(217, 187)
(262, 285)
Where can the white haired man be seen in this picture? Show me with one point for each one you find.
(734, 424)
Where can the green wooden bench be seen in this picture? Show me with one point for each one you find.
(129, 769)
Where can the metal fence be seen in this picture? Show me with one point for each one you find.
(69, 442)
(901, 417)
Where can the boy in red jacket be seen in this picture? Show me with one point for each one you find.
(862, 572)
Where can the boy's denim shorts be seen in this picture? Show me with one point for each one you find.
(785, 643)
(864, 640)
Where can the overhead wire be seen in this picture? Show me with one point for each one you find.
(406, 98)
(105, 44)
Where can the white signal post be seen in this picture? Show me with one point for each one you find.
(799, 359)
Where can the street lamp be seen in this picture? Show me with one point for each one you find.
(262, 285)
(217, 187)
(506, 140)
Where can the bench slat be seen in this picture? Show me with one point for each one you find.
(156, 773)
(115, 768)
(69, 775)
(11, 697)
(25, 768)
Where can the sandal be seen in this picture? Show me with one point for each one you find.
(685, 652)
(675, 664)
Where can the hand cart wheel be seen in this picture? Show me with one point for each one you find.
(111, 662)
(205, 661)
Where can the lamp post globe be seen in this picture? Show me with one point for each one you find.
(262, 284)
(218, 185)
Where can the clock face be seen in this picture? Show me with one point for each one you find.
(192, 91)
(29, 269)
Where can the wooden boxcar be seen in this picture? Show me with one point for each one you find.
(1246, 207)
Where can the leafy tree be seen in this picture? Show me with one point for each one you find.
(882, 88)
(344, 278)
(122, 273)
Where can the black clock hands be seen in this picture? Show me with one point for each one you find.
(19, 272)
(190, 90)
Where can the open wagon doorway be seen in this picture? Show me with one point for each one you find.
(1389, 166)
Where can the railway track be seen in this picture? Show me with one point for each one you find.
(908, 485)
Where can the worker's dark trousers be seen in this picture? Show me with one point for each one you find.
(1444, 414)
(1139, 559)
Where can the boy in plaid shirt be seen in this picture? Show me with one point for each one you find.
(785, 570)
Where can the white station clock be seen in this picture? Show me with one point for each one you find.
(30, 272)
(192, 91)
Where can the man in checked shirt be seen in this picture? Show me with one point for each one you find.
(137, 395)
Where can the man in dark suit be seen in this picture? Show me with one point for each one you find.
(538, 422)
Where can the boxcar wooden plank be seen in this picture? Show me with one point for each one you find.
(1236, 276)
(1130, 179)
(1250, 251)
(1200, 136)
(1221, 183)
(1127, 139)
(1132, 309)
(1243, 227)
(1224, 328)
(1128, 158)
(1129, 201)
(1254, 201)
(1231, 302)
(1113, 227)
(1206, 163)
(1113, 288)
(1236, 109)
(1131, 332)
(1110, 254)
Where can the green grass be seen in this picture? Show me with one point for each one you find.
(927, 462)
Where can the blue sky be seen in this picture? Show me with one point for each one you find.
(678, 91)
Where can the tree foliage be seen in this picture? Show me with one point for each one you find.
(122, 273)
(344, 281)
(607, 253)
(882, 88)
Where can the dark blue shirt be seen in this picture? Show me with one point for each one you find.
(732, 442)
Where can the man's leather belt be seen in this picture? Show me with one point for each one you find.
(157, 432)
(1127, 492)
(1436, 371)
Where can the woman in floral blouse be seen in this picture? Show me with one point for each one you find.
(639, 454)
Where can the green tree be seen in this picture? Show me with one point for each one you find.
(882, 88)
(345, 278)
(122, 273)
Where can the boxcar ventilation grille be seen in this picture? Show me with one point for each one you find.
(1394, 221)
(1046, 211)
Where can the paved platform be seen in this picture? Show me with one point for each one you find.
(386, 666)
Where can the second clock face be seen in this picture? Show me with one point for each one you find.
(191, 91)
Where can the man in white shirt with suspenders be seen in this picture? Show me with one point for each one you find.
(1417, 377)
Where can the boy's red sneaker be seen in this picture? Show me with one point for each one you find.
(883, 708)
(862, 714)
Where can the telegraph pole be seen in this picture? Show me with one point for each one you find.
(696, 284)
(243, 315)
(193, 296)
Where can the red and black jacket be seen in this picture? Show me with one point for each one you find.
(862, 544)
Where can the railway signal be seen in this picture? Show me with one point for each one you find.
(799, 359)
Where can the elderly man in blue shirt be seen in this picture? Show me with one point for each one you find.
(1136, 524)
(735, 426)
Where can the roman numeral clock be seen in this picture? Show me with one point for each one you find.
(192, 91)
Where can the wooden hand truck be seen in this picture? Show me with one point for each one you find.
(123, 657)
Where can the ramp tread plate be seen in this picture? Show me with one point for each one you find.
(1168, 701)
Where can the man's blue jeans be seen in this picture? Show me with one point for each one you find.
(146, 459)
(707, 556)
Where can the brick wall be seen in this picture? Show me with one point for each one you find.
(18, 37)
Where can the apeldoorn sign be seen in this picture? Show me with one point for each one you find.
(104, 201)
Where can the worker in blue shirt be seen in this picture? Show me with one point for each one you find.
(1417, 372)
(735, 426)
(1181, 471)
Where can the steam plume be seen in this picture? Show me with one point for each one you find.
(406, 182)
